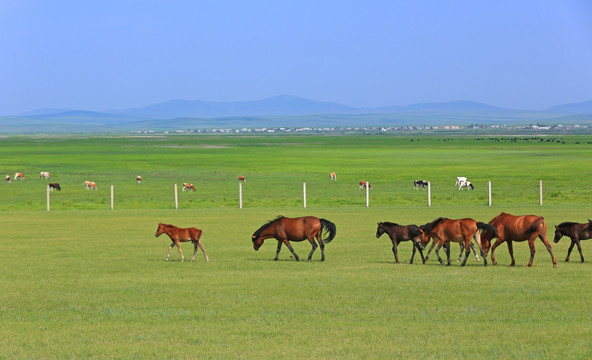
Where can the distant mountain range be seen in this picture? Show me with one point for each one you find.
(279, 111)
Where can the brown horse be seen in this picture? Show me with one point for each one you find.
(295, 229)
(517, 228)
(179, 235)
(399, 233)
(575, 232)
(444, 230)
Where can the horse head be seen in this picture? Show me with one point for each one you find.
(379, 230)
(160, 230)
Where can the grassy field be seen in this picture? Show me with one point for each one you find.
(82, 281)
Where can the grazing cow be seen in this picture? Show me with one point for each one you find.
(19, 176)
(420, 184)
(90, 185)
(241, 178)
(44, 175)
(333, 176)
(460, 180)
(54, 186)
(7, 178)
(139, 179)
(364, 184)
(468, 185)
(188, 187)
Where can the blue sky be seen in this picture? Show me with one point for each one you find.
(100, 55)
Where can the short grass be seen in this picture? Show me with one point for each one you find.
(81, 281)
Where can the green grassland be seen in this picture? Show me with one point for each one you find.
(82, 281)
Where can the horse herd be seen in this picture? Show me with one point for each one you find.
(442, 231)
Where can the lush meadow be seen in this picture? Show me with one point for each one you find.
(82, 281)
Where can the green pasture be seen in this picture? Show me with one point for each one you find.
(277, 166)
(82, 281)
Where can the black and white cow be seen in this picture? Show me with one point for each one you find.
(54, 186)
(420, 184)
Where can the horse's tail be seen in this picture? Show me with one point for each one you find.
(488, 227)
(535, 224)
(329, 227)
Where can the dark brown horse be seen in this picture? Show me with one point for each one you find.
(179, 235)
(295, 229)
(575, 232)
(444, 230)
(517, 228)
(399, 233)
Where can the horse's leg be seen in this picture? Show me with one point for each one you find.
(496, 244)
(477, 238)
(511, 251)
(438, 253)
(580, 249)
(571, 246)
(447, 250)
(180, 251)
(475, 252)
(314, 247)
(320, 241)
(430, 250)
(194, 250)
(291, 249)
(396, 251)
(543, 237)
(203, 250)
(169, 253)
(277, 252)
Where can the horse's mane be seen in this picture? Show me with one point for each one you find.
(567, 224)
(257, 233)
(388, 223)
(429, 226)
(168, 225)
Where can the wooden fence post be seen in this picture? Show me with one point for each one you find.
(540, 192)
(304, 193)
(429, 194)
(240, 194)
(489, 192)
(47, 197)
(111, 197)
(176, 198)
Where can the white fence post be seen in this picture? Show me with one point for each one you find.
(304, 193)
(367, 194)
(489, 191)
(176, 198)
(47, 197)
(540, 192)
(240, 194)
(111, 197)
(429, 194)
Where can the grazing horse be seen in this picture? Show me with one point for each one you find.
(575, 232)
(139, 179)
(399, 233)
(55, 186)
(7, 178)
(444, 230)
(364, 184)
(179, 235)
(90, 185)
(19, 176)
(296, 229)
(44, 175)
(188, 187)
(332, 176)
(241, 178)
(517, 228)
(419, 184)
(466, 184)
